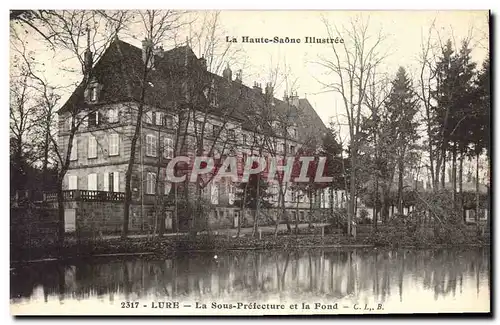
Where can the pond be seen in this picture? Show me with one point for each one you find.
(317, 281)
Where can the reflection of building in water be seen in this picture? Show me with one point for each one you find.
(254, 275)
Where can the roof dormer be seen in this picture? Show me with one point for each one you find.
(92, 92)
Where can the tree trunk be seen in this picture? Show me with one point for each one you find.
(243, 209)
(133, 145)
(400, 185)
(128, 177)
(431, 151)
(297, 216)
(309, 221)
(257, 207)
(477, 189)
(175, 221)
(454, 175)
(375, 205)
(460, 183)
(45, 162)
(280, 199)
(352, 192)
(60, 214)
(385, 204)
(443, 168)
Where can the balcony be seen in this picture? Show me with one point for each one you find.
(86, 196)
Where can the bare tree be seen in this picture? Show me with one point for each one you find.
(71, 32)
(158, 25)
(353, 63)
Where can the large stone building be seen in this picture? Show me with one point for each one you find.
(187, 110)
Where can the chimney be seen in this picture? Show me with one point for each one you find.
(159, 52)
(203, 62)
(227, 73)
(285, 97)
(239, 76)
(294, 99)
(147, 49)
(88, 58)
(257, 86)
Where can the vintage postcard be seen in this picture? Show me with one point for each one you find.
(178, 162)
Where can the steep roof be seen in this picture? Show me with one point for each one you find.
(120, 71)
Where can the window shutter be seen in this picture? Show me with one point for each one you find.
(116, 181)
(105, 181)
(74, 150)
(148, 145)
(154, 146)
(151, 145)
(168, 151)
(72, 182)
(114, 144)
(149, 117)
(117, 144)
(92, 182)
(92, 147)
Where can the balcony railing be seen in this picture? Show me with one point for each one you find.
(86, 196)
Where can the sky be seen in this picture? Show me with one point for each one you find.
(403, 31)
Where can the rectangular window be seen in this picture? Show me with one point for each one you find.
(72, 182)
(92, 147)
(93, 94)
(168, 150)
(150, 145)
(114, 144)
(282, 147)
(111, 181)
(74, 150)
(92, 182)
(231, 135)
(168, 121)
(93, 118)
(245, 139)
(292, 150)
(198, 126)
(149, 117)
(82, 120)
(159, 118)
(214, 193)
(216, 130)
(68, 123)
(150, 183)
(113, 115)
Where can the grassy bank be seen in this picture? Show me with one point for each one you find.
(164, 246)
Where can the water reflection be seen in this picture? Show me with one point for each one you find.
(331, 275)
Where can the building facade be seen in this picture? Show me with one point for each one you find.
(186, 110)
